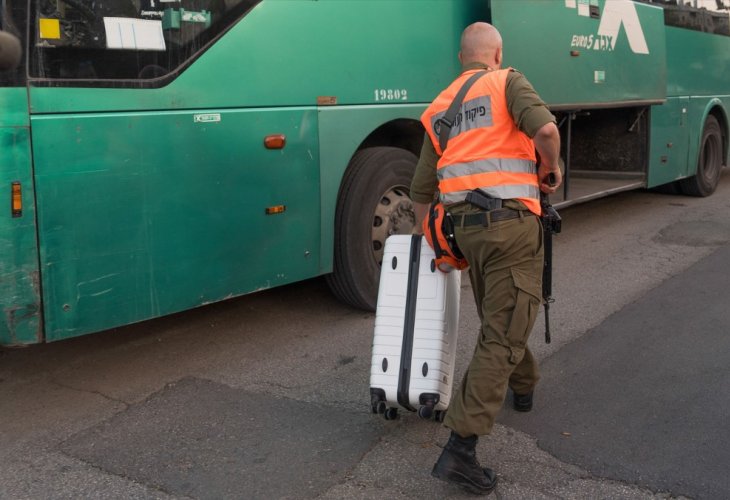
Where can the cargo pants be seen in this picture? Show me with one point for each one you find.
(505, 268)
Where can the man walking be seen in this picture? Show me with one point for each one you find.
(488, 179)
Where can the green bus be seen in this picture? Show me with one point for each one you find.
(162, 155)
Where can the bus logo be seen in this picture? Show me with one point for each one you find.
(616, 13)
(207, 118)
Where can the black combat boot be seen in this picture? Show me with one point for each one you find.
(458, 464)
(522, 402)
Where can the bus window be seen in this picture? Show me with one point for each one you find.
(709, 16)
(12, 21)
(124, 42)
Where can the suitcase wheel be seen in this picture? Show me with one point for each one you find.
(428, 403)
(425, 412)
(377, 400)
(390, 413)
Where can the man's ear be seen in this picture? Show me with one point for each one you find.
(498, 57)
(461, 61)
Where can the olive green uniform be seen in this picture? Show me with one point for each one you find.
(505, 268)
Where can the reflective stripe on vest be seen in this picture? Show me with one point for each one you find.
(499, 178)
(486, 150)
(514, 191)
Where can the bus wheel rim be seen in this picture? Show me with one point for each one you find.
(393, 215)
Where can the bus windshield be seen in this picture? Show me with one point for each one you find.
(136, 40)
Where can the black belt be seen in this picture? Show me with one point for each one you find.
(483, 218)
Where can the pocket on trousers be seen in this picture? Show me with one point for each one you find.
(527, 305)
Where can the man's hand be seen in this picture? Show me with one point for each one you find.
(547, 143)
(549, 178)
(420, 211)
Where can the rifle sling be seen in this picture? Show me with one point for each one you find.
(447, 121)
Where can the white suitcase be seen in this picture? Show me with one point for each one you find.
(416, 326)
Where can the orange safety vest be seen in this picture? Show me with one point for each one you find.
(486, 150)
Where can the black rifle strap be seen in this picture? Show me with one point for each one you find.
(447, 121)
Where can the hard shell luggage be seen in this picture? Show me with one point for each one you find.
(416, 326)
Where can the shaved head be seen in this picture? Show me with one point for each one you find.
(481, 43)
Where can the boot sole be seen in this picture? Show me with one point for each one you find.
(463, 482)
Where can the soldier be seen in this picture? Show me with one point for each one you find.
(491, 149)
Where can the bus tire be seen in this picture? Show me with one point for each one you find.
(373, 203)
(709, 162)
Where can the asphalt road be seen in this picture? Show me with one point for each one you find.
(266, 396)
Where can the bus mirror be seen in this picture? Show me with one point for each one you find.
(10, 51)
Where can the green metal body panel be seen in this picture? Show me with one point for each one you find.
(670, 131)
(575, 66)
(699, 108)
(697, 63)
(20, 322)
(175, 215)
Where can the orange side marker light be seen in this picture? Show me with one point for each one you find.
(275, 141)
(16, 197)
